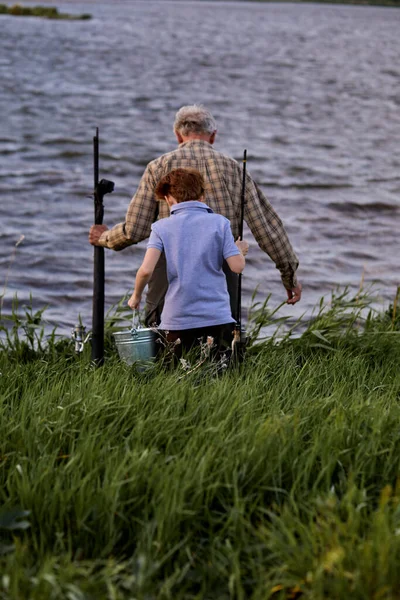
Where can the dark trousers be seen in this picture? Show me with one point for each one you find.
(158, 286)
(180, 342)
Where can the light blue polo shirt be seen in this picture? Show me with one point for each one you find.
(195, 241)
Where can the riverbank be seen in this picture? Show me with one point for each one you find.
(277, 480)
(39, 11)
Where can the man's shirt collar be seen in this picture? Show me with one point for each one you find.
(194, 142)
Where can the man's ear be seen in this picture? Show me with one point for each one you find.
(178, 137)
(212, 137)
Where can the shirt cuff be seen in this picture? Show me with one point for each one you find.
(233, 253)
(289, 277)
(289, 282)
(156, 246)
(103, 239)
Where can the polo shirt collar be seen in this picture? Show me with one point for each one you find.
(190, 205)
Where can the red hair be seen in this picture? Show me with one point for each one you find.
(182, 183)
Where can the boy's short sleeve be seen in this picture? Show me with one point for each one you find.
(230, 248)
(155, 240)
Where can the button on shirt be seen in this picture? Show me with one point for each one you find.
(223, 176)
(195, 241)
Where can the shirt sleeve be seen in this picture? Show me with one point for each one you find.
(141, 213)
(230, 248)
(155, 240)
(268, 230)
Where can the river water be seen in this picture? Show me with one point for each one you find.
(312, 91)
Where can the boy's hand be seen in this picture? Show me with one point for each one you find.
(242, 245)
(134, 301)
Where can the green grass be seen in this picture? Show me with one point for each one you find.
(279, 479)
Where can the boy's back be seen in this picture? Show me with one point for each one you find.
(195, 241)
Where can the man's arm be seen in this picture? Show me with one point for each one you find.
(139, 217)
(268, 230)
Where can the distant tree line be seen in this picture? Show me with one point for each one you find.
(48, 12)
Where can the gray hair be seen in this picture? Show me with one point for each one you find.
(194, 119)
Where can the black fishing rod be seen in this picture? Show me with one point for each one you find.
(100, 190)
(242, 202)
(238, 326)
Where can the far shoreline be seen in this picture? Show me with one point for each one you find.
(376, 3)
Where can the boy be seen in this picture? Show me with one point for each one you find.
(196, 241)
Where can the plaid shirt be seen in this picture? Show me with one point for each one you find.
(223, 177)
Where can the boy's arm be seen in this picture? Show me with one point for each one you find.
(143, 276)
(234, 252)
(236, 263)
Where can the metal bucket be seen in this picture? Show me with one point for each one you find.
(137, 346)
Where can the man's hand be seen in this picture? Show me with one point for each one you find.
(95, 233)
(242, 246)
(134, 301)
(294, 294)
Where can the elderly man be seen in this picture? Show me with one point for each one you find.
(195, 130)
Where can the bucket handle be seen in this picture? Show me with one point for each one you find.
(135, 320)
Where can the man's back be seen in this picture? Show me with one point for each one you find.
(221, 173)
(223, 178)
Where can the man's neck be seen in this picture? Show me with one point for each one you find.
(204, 137)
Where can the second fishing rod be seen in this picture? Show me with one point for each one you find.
(239, 337)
